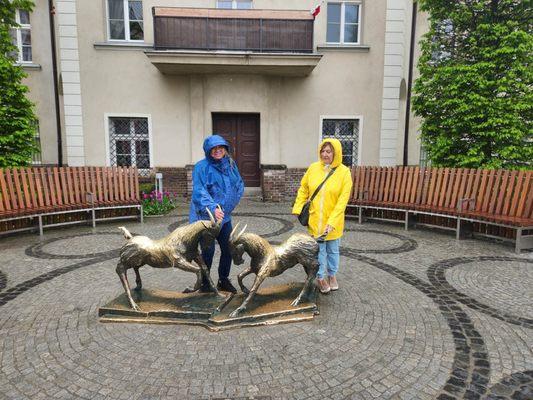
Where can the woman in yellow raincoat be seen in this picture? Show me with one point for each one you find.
(326, 214)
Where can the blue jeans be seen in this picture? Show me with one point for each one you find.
(224, 265)
(328, 258)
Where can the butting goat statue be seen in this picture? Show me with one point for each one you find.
(178, 249)
(267, 261)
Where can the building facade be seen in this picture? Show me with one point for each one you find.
(144, 82)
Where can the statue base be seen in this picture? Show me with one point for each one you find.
(271, 305)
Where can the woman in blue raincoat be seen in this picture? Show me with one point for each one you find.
(217, 182)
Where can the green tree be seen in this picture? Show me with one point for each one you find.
(474, 92)
(17, 118)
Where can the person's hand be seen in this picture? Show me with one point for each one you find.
(328, 229)
(219, 214)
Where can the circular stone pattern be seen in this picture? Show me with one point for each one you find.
(503, 285)
(83, 244)
(371, 241)
(380, 344)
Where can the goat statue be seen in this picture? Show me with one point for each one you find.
(178, 249)
(267, 261)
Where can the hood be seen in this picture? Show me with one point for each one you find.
(212, 141)
(337, 147)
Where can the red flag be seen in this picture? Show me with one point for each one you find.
(315, 11)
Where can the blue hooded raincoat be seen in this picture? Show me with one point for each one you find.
(215, 182)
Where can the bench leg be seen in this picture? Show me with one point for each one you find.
(41, 231)
(458, 229)
(410, 220)
(518, 242)
(141, 216)
(360, 215)
(93, 216)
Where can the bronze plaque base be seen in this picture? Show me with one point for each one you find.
(271, 305)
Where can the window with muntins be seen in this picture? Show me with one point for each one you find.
(129, 143)
(235, 4)
(37, 156)
(347, 132)
(344, 22)
(125, 20)
(21, 37)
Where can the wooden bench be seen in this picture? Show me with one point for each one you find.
(471, 198)
(65, 195)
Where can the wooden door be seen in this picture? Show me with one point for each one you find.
(242, 132)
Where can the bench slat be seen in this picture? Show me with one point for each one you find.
(30, 174)
(20, 199)
(5, 204)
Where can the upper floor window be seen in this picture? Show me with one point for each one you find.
(125, 20)
(347, 131)
(344, 22)
(22, 36)
(236, 4)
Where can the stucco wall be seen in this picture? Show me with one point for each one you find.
(123, 81)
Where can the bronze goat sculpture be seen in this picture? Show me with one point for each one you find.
(267, 261)
(178, 250)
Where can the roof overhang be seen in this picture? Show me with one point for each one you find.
(186, 62)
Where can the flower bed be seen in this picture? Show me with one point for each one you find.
(157, 203)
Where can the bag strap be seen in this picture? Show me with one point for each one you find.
(322, 184)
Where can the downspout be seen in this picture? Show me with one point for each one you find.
(409, 85)
(52, 11)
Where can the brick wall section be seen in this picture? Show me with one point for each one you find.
(293, 179)
(273, 182)
(278, 182)
(175, 180)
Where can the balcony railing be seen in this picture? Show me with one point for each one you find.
(233, 30)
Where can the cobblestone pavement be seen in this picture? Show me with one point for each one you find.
(418, 316)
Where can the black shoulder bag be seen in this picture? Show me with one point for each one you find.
(303, 217)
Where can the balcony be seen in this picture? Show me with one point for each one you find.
(199, 40)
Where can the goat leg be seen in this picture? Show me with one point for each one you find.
(138, 279)
(206, 274)
(309, 282)
(241, 276)
(311, 271)
(197, 285)
(121, 271)
(258, 280)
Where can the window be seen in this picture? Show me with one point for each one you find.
(129, 143)
(125, 20)
(424, 160)
(347, 132)
(344, 21)
(21, 36)
(235, 4)
(37, 157)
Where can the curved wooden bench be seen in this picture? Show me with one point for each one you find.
(65, 195)
(497, 198)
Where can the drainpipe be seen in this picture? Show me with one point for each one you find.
(52, 12)
(409, 84)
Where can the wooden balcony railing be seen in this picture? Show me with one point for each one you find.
(233, 30)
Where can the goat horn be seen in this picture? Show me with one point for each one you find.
(233, 231)
(240, 234)
(211, 216)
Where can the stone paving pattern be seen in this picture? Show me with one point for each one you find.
(418, 316)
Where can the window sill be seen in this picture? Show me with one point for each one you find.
(344, 47)
(27, 65)
(122, 46)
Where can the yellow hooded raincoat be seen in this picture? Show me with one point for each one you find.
(330, 203)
